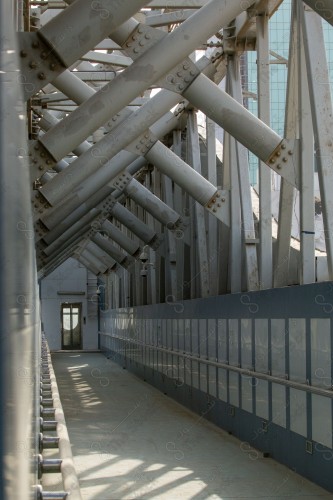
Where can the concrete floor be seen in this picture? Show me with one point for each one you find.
(130, 441)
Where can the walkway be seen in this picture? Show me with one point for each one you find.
(132, 442)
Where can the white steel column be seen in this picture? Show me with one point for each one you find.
(322, 117)
(199, 213)
(265, 174)
(287, 191)
(248, 232)
(307, 202)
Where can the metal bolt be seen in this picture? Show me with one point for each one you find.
(142, 43)
(223, 200)
(33, 65)
(53, 66)
(135, 50)
(186, 66)
(40, 167)
(284, 159)
(35, 44)
(41, 76)
(272, 160)
(283, 146)
(43, 156)
(278, 153)
(290, 152)
(43, 55)
(147, 36)
(23, 53)
(278, 166)
(214, 210)
(48, 162)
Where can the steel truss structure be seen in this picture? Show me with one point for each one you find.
(120, 175)
(104, 141)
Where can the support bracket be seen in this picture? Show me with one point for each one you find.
(39, 63)
(219, 206)
(284, 160)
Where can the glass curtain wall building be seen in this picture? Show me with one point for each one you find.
(279, 46)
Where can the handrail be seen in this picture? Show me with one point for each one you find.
(243, 371)
(69, 476)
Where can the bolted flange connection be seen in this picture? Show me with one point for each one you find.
(48, 465)
(50, 495)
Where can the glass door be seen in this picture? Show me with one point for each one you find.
(71, 326)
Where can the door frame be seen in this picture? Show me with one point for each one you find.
(62, 306)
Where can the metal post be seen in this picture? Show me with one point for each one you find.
(322, 117)
(247, 227)
(287, 191)
(307, 206)
(199, 214)
(265, 174)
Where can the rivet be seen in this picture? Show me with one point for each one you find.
(43, 55)
(147, 36)
(219, 204)
(214, 209)
(36, 147)
(43, 154)
(272, 160)
(53, 66)
(186, 79)
(285, 159)
(33, 65)
(48, 162)
(217, 195)
(186, 66)
(278, 153)
(142, 43)
(283, 146)
(179, 73)
(290, 152)
(35, 44)
(181, 87)
(41, 76)
(140, 30)
(213, 200)
(23, 53)
(223, 200)
(278, 166)
(192, 73)
(135, 50)
(40, 167)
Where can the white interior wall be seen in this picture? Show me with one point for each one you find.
(69, 277)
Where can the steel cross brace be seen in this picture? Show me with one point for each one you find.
(67, 37)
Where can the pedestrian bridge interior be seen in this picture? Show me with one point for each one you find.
(166, 249)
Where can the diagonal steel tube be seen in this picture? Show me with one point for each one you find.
(146, 70)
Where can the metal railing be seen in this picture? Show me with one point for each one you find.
(51, 407)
